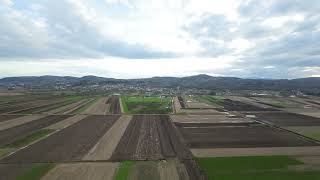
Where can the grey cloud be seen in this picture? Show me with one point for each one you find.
(209, 30)
(296, 48)
(67, 35)
(256, 8)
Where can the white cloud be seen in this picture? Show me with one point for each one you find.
(280, 21)
(7, 2)
(179, 37)
(117, 67)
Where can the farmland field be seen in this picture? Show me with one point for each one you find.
(233, 105)
(254, 168)
(145, 138)
(146, 105)
(74, 146)
(287, 119)
(134, 137)
(202, 135)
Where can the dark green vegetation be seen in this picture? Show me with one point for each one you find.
(146, 105)
(124, 170)
(30, 138)
(216, 100)
(36, 172)
(254, 168)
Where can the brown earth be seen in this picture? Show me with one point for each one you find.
(141, 142)
(114, 103)
(73, 109)
(287, 119)
(146, 137)
(231, 105)
(258, 151)
(83, 171)
(176, 105)
(12, 171)
(10, 135)
(207, 119)
(67, 122)
(144, 170)
(38, 107)
(65, 108)
(248, 101)
(18, 121)
(232, 136)
(98, 108)
(69, 144)
(182, 102)
(109, 141)
(8, 117)
(172, 169)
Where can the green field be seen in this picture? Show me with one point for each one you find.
(146, 105)
(215, 100)
(254, 168)
(124, 170)
(36, 172)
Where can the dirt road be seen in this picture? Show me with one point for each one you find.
(83, 171)
(98, 108)
(108, 143)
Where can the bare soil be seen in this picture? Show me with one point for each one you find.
(201, 111)
(98, 108)
(109, 141)
(8, 117)
(18, 121)
(232, 136)
(182, 102)
(145, 170)
(287, 119)
(145, 138)
(259, 151)
(12, 171)
(69, 144)
(231, 105)
(83, 171)
(208, 119)
(114, 103)
(62, 109)
(10, 135)
(67, 122)
(168, 170)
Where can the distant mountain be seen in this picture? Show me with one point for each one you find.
(201, 81)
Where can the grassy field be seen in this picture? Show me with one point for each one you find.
(254, 168)
(215, 100)
(146, 105)
(124, 170)
(36, 172)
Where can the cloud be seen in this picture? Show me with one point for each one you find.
(6, 2)
(64, 29)
(276, 39)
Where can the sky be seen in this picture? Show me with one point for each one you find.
(145, 38)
